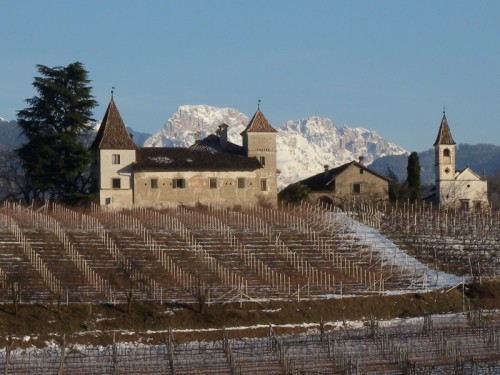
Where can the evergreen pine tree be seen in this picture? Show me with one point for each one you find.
(55, 157)
(413, 176)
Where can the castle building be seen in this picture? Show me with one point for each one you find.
(456, 189)
(212, 171)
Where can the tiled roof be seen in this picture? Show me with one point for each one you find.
(259, 123)
(113, 134)
(212, 143)
(322, 181)
(185, 159)
(444, 135)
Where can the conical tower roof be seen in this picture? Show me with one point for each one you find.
(259, 124)
(444, 135)
(113, 134)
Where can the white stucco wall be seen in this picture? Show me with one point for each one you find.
(109, 171)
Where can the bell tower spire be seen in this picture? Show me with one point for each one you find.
(444, 161)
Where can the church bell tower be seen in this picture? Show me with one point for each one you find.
(444, 162)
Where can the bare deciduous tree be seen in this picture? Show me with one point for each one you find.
(12, 182)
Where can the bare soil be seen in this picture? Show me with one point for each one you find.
(96, 323)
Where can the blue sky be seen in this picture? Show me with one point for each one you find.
(389, 66)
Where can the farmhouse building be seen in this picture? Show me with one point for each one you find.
(212, 171)
(456, 189)
(351, 181)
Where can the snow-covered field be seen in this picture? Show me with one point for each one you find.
(391, 254)
(439, 344)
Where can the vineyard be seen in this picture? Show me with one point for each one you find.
(443, 344)
(216, 255)
(211, 255)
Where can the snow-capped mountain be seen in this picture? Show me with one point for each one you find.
(304, 146)
(180, 129)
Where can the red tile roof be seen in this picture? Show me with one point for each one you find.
(113, 134)
(259, 123)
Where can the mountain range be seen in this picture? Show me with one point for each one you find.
(304, 146)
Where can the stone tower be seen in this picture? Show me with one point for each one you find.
(114, 152)
(445, 163)
(259, 141)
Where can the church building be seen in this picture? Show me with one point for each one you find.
(212, 171)
(456, 189)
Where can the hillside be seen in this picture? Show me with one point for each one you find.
(10, 135)
(482, 158)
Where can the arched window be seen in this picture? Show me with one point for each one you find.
(447, 155)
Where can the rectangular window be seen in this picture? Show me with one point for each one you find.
(477, 205)
(263, 184)
(241, 183)
(262, 160)
(464, 205)
(154, 183)
(116, 183)
(213, 183)
(356, 188)
(179, 183)
(361, 171)
(116, 159)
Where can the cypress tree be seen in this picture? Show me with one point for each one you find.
(413, 176)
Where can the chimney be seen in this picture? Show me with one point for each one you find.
(197, 137)
(223, 136)
(326, 169)
(362, 160)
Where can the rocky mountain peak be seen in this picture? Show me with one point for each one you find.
(304, 146)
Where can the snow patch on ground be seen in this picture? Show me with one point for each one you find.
(392, 254)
